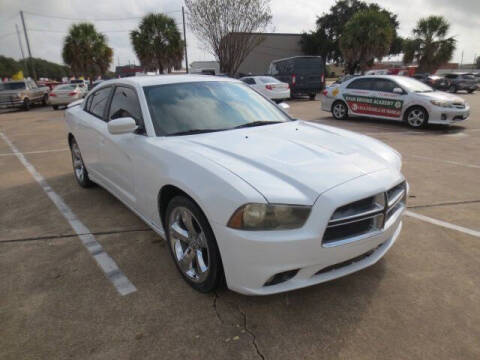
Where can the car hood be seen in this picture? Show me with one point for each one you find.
(293, 162)
(442, 96)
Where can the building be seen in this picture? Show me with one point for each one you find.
(127, 70)
(205, 67)
(272, 46)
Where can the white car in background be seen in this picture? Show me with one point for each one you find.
(394, 97)
(62, 95)
(269, 87)
(239, 189)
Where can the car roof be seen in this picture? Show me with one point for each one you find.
(151, 80)
(389, 77)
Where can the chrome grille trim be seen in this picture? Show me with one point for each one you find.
(370, 221)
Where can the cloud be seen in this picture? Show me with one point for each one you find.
(46, 34)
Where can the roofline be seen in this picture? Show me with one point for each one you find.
(263, 33)
(296, 57)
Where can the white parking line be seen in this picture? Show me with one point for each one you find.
(443, 223)
(445, 161)
(104, 261)
(34, 152)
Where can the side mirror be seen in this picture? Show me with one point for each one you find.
(398, 90)
(122, 125)
(284, 106)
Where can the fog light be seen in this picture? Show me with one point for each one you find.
(281, 277)
(444, 116)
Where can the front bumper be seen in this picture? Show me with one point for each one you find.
(251, 258)
(326, 102)
(11, 103)
(448, 116)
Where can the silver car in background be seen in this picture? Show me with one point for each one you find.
(62, 95)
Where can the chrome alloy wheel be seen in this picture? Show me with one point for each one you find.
(78, 166)
(416, 118)
(189, 245)
(339, 111)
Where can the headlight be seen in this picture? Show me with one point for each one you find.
(269, 217)
(440, 103)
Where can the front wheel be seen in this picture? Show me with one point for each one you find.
(45, 100)
(417, 117)
(27, 104)
(55, 107)
(452, 89)
(339, 110)
(79, 169)
(193, 245)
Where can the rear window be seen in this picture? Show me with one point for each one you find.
(268, 80)
(65, 87)
(308, 64)
(469, 77)
(12, 86)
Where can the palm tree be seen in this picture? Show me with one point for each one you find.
(158, 43)
(430, 47)
(86, 51)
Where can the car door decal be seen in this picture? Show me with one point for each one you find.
(369, 105)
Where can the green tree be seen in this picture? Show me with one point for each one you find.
(8, 67)
(86, 51)
(158, 43)
(367, 35)
(477, 62)
(325, 40)
(430, 47)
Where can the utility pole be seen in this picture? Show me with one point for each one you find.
(461, 61)
(28, 46)
(21, 48)
(185, 39)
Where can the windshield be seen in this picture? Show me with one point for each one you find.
(207, 106)
(12, 86)
(412, 85)
(268, 80)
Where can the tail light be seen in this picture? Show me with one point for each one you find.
(294, 79)
(325, 92)
(73, 93)
(52, 94)
(323, 77)
(269, 87)
(288, 86)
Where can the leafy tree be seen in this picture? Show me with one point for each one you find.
(44, 68)
(8, 67)
(158, 43)
(429, 47)
(367, 35)
(86, 51)
(325, 40)
(228, 28)
(477, 62)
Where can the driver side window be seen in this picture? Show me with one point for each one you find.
(125, 104)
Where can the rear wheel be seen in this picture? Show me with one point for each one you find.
(416, 117)
(79, 169)
(339, 110)
(55, 107)
(312, 96)
(193, 245)
(27, 104)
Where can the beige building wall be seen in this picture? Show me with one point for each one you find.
(273, 47)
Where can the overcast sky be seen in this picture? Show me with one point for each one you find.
(46, 33)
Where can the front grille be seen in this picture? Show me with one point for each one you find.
(364, 216)
(459, 105)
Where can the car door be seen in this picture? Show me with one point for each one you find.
(117, 152)
(91, 125)
(358, 94)
(386, 103)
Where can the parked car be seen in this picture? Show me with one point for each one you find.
(394, 97)
(344, 78)
(238, 188)
(304, 74)
(435, 81)
(22, 94)
(460, 81)
(80, 82)
(269, 87)
(63, 95)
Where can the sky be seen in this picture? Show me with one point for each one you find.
(115, 18)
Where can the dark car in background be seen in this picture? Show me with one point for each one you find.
(460, 81)
(435, 81)
(304, 74)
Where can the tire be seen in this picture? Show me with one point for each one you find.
(55, 107)
(452, 89)
(27, 105)
(416, 117)
(190, 237)
(471, 91)
(45, 100)
(339, 110)
(79, 170)
(312, 96)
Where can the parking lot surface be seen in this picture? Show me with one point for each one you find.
(421, 301)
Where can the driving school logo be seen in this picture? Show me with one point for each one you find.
(374, 106)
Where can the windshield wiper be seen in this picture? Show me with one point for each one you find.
(256, 123)
(195, 131)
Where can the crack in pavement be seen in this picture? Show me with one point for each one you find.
(51, 237)
(447, 203)
(244, 325)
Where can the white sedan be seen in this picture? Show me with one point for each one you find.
(240, 190)
(65, 94)
(393, 97)
(269, 87)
